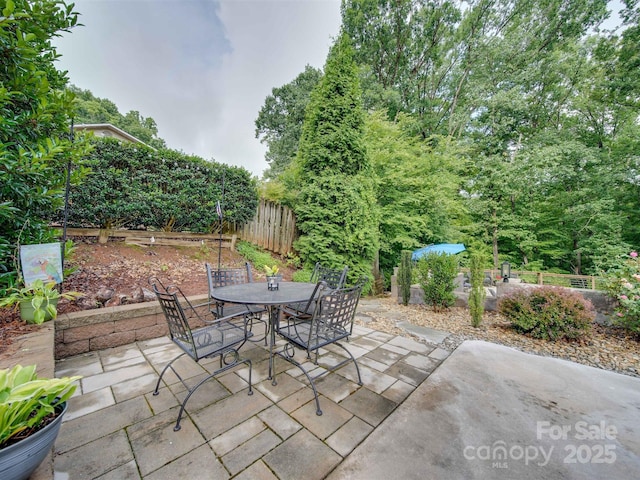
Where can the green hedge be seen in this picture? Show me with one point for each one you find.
(133, 186)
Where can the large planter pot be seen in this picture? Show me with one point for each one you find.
(19, 461)
(27, 311)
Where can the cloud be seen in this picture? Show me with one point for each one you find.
(200, 69)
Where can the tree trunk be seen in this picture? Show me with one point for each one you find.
(495, 238)
(578, 267)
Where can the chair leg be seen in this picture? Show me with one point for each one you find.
(209, 377)
(290, 359)
(354, 361)
(167, 366)
(258, 318)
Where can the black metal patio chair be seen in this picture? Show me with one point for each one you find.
(218, 337)
(332, 321)
(330, 277)
(333, 277)
(235, 276)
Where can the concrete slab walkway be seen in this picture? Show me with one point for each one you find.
(491, 412)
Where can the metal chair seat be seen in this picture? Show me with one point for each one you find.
(212, 340)
(301, 334)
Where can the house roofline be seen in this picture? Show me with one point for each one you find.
(108, 126)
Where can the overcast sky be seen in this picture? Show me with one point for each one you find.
(200, 68)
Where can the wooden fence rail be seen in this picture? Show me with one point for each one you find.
(273, 228)
(545, 278)
(143, 237)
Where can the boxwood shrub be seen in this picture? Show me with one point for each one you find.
(550, 313)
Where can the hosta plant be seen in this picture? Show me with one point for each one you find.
(43, 297)
(271, 271)
(26, 401)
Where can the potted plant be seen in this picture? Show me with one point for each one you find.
(37, 302)
(273, 277)
(31, 411)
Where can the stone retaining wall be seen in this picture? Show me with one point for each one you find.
(89, 330)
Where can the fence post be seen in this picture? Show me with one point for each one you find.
(103, 236)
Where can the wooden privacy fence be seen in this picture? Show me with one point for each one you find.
(273, 228)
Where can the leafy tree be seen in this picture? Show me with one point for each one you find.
(525, 83)
(530, 104)
(35, 110)
(279, 122)
(91, 109)
(417, 187)
(336, 209)
(440, 55)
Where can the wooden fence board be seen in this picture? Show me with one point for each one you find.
(273, 228)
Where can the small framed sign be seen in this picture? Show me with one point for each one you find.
(41, 261)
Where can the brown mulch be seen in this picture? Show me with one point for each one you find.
(11, 326)
(126, 268)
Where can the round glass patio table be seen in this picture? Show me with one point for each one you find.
(257, 293)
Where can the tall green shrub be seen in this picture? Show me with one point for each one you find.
(436, 274)
(35, 113)
(405, 272)
(477, 293)
(336, 209)
(132, 185)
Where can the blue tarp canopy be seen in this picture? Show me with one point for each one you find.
(450, 248)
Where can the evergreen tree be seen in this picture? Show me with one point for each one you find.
(336, 209)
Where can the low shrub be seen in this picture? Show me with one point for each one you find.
(302, 275)
(550, 313)
(436, 274)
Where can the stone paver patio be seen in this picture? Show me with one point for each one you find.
(115, 428)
